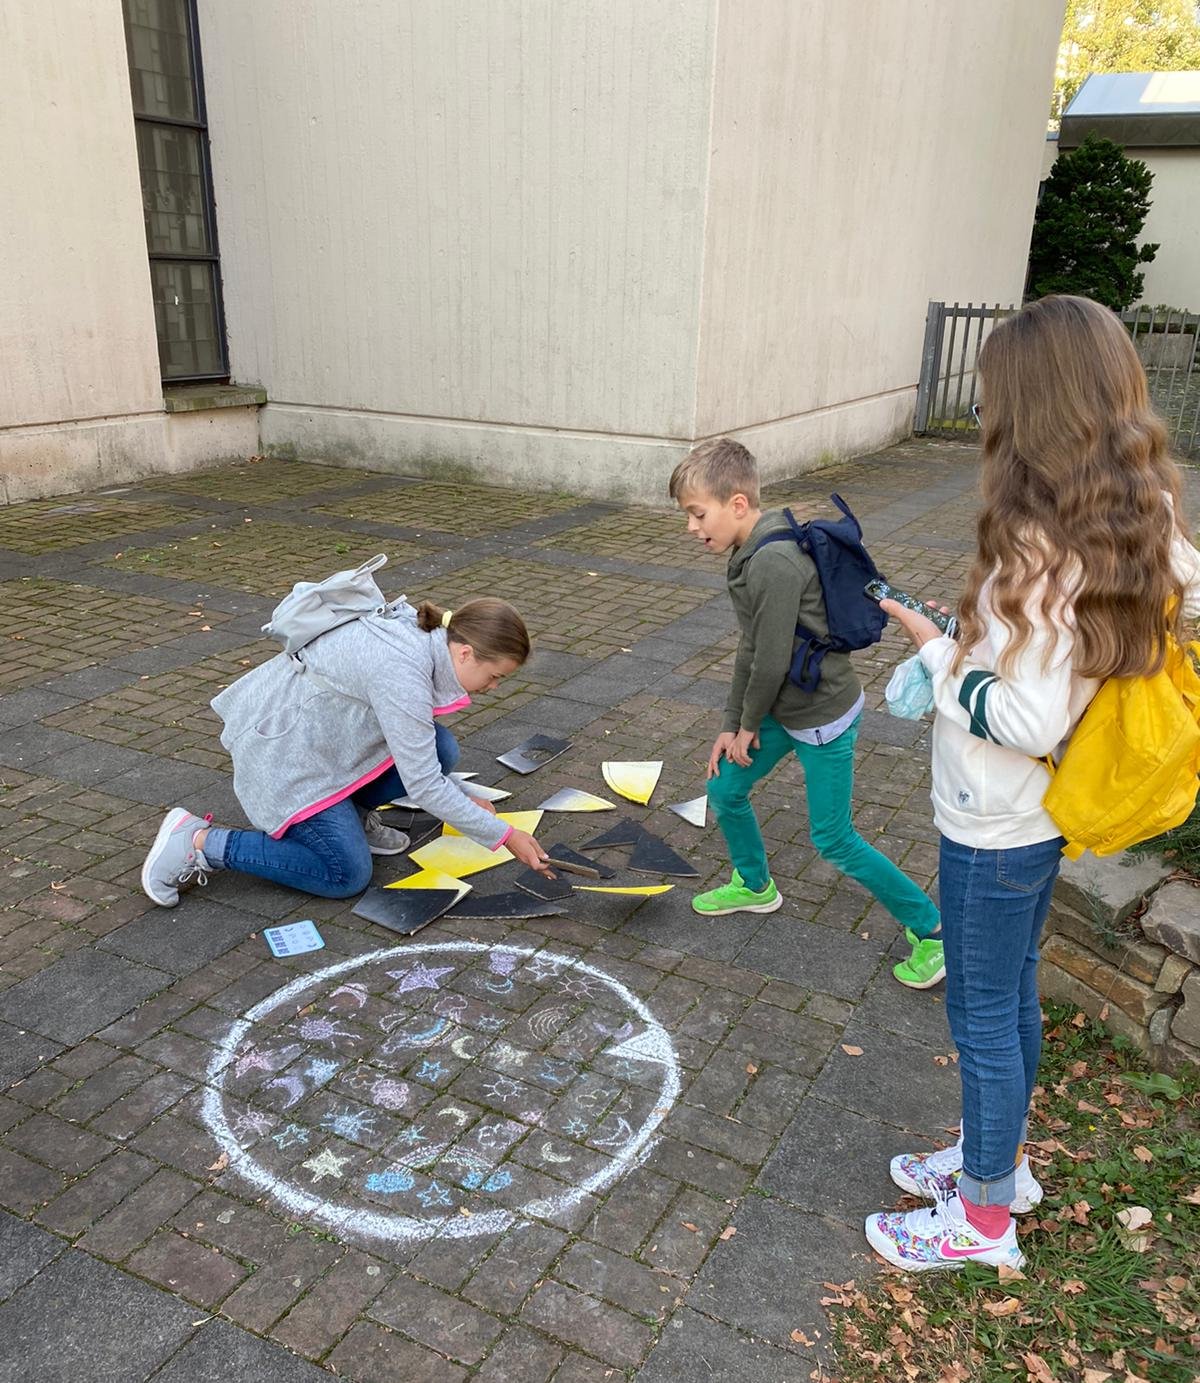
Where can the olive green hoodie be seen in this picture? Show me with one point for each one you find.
(772, 591)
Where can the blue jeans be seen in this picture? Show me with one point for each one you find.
(994, 903)
(828, 784)
(327, 854)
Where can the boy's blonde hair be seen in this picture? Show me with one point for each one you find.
(721, 468)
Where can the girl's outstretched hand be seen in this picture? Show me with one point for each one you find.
(527, 850)
(918, 628)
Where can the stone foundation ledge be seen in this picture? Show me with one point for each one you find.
(1122, 942)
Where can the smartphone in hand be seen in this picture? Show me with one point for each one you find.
(880, 590)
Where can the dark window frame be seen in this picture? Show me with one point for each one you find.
(213, 257)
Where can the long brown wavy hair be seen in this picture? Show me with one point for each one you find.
(1075, 466)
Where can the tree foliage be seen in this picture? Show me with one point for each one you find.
(1087, 224)
(1124, 36)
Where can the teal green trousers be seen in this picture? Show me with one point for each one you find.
(828, 782)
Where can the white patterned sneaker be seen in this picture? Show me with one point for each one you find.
(939, 1237)
(927, 1174)
(173, 859)
(381, 839)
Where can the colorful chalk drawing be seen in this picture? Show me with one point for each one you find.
(453, 1159)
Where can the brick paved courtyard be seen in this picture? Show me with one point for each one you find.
(434, 1164)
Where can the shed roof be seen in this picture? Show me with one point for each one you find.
(1138, 110)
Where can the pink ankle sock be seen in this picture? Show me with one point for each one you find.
(989, 1220)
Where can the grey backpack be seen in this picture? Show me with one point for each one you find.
(315, 607)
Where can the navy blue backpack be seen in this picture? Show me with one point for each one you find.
(844, 567)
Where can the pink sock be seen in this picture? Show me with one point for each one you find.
(990, 1220)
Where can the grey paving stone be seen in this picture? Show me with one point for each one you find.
(24, 1250)
(889, 729)
(22, 707)
(670, 921)
(162, 783)
(557, 716)
(695, 1348)
(766, 1279)
(896, 1080)
(916, 1013)
(834, 1162)
(80, 994)
(614, 679)
(90, 763)
(162, 939)
(91, 682)
(22, 1052)
(806, 953)
(23, 746)
(81, 1321)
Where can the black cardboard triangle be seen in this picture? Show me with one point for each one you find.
(534, 753)
(404, 910)
(625, 832)
(535, 882)
(654, 856)
(506, 906)
(569, 856)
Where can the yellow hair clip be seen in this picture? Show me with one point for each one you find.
(446, 618)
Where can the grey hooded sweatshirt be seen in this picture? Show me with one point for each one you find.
(302, 742)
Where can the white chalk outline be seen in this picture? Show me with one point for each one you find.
(378, 1224)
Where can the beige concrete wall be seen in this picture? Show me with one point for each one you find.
(865, 159)
(78, 358)
(1173, 275)
(437, 215)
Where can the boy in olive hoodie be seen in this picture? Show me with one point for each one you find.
(767, 716)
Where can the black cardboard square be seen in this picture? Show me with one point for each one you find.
(506, 906)
(535, 882)
(404, 910)
(534, 753)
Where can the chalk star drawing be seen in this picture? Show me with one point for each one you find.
(355, 996)
(389, 1182)
(419, 976)
(577, 986)
(375, 1200)
(291, 1136)
(430, 1071)
(252, 1123)
(325, 1164)
(320, 1069)
(544, 968)
(390, 1094)
(293, 1085)
(325, 1030)
(350, 1123)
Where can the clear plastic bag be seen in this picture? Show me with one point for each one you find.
(909, 691)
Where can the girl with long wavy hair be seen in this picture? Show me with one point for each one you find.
(1083, 566)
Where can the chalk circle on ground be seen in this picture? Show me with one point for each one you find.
(439, 1149)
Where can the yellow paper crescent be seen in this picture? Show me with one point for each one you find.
(458, 856)
(432, 878)
(641, 890)
(635, 779)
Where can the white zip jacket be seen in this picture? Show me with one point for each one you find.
(990, 732)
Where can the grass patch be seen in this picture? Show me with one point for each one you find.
(1097, 1302)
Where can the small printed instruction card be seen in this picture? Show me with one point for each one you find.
(294, 939)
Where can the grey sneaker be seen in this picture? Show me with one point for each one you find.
(173, 859)
(381, 839)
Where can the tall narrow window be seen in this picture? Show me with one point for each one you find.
(163, 41)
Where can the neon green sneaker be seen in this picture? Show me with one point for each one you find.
(736, 897)
(927, 964)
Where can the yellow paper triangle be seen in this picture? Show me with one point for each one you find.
(641, 890)
(576, 800)
(519, 821)
(458, 856)
(635, 779)
(432, 878)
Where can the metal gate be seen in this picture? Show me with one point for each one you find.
(1165, 339)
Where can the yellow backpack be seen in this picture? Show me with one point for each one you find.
(1130, 770)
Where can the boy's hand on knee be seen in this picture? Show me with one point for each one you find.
(743, 742)
(721, 746)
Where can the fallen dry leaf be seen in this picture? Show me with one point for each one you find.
(800, 1338)
(1006, 1274)
(1039, 1370)
(221, 1163)
(751, 1069)
(1143, 1154)
(1134, 1231)
(1096, 1376)
(851, 1051)
(728, 1232)
(1008, 1307)
(1073, 1287)
(691, 1228)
